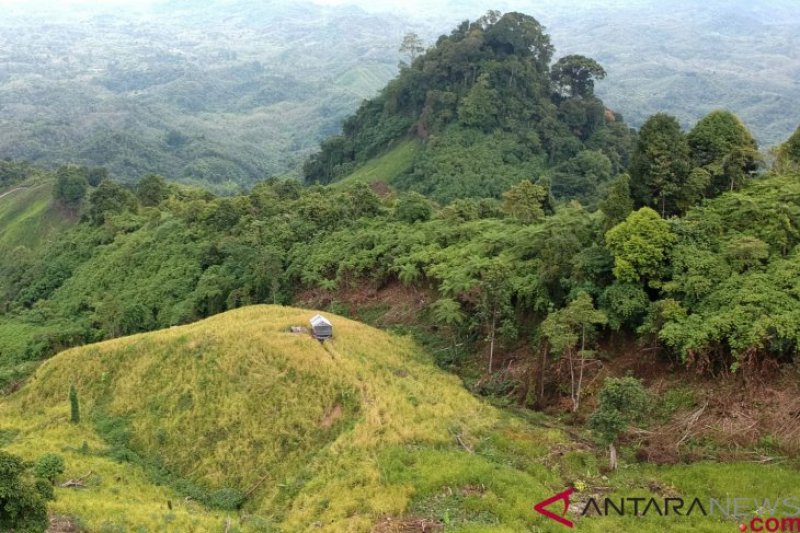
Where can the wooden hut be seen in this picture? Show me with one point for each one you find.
(321, 327)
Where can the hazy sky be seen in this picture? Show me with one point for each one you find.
(372, 5)
(436, 14)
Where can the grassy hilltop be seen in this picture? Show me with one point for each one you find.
(340, 434)
(361, 433)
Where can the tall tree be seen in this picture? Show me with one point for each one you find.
(660, 165)
(622, 402)
(110, 198)
(152, 190)
(524, 202)
(640, 246)
(412, 45)
(721, 144)
(71, 186)
(792, 147)
(495, 301)
(480, 107)
(569, 332)
(574, 75)
(522, 35)
(581, 177)
(617, 203)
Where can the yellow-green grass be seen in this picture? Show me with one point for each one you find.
(28, 216)
(386, 166)
(238, 401)
(115, 494)
(324, 437)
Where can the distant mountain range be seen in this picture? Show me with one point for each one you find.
(225, 93)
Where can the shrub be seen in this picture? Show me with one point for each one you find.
(22, 502)
(49, 467)
(622, 402)
(74, 405)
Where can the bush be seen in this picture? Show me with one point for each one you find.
(413, 207)
(23, 505)
(74, 405)
(226, 499)
(622, 402)
(49, 467)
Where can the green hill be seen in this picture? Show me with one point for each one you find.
(28, 215)
(361, 433)
(488, 110)
(253, 100)
(29, 220)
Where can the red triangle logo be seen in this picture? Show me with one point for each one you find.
(561, 496)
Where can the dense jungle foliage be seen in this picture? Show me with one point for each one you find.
(241, 90)
(491, 112)
(712, 283)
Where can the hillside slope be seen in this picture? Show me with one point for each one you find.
(220, 96)
(28, 215)
(340, 434)
(361, 433)
(491, 111)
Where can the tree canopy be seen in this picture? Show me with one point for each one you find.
(574, 75)
(491, 112)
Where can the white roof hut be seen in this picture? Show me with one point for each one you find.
(321, 327)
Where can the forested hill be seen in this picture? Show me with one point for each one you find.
(685, 57)
(219, 97)
(239, 90)
(490, 111)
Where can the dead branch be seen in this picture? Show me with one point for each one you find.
(463, 444)
(691, 421)
(254, 487)
(77, 483)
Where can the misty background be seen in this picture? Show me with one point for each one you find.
(224, 93)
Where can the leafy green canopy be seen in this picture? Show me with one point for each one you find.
(23, 494)
(710, 286)
(622, 402)
(672, 171)
(492, 113)
(789, 152)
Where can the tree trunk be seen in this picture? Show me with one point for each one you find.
(543, 355)
(577, 401)
(491, 343)
(571, 378)
(612, 456)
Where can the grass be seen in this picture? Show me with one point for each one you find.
(29, 216)
(325, 437)
(385, 167)
(14, 337)
(118, 496)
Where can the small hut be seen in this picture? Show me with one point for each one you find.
(321, 328)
